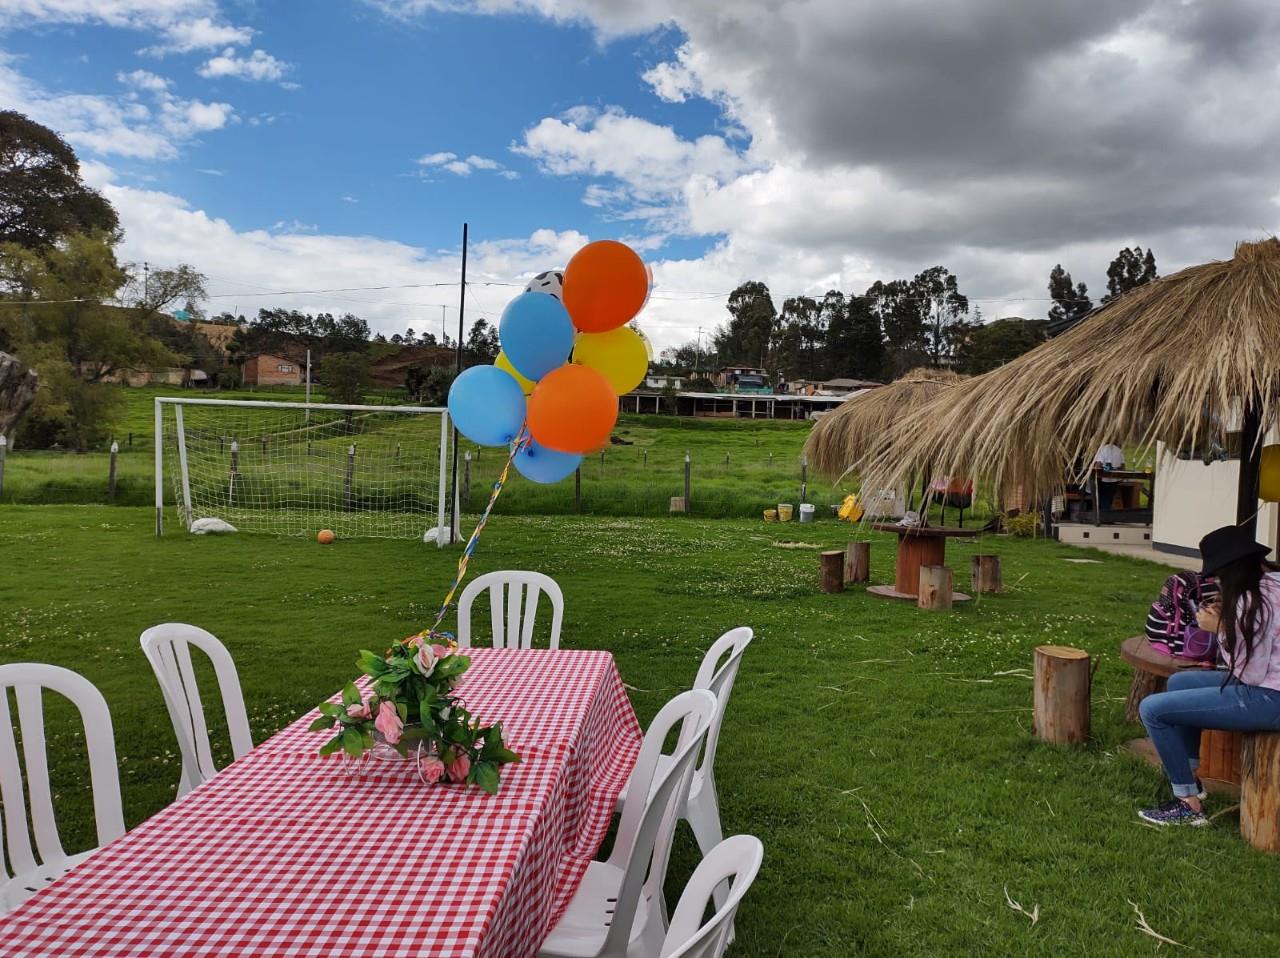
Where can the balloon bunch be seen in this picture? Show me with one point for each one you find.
(567, 355)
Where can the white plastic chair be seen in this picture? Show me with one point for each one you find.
(702, 809)
(516, 594)
(167, 648)
(27, 870)
(618, 912)
(735, 860)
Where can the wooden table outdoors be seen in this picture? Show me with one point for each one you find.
(287, 853)
(917, 546)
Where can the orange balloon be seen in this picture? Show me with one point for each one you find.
(572, 409)
(605, 285)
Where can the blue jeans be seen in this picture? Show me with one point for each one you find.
(1197, 700)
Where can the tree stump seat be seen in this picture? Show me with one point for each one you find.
(1260, 791)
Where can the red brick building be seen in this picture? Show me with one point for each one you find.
(267, 370)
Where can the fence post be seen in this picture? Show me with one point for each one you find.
(601, 463)
(235, 468)
(804, 478)
(577, 489)
(111, 472)
(4, 448)
(350, 475)
(688, 503)
(398, 454)
(770, 460)
(645, 464)
(466, 477)
(130, 438)
(264, 445)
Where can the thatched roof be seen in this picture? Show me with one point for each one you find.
(858, 427)
(1173, 360)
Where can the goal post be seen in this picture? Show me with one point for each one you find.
(293, 468)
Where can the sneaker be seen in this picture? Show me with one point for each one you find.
(1175, 812)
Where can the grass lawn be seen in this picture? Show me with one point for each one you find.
(881, 753)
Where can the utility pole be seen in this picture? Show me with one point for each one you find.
(146, 283)
(307, 416)
(444, 334)
(456, 527)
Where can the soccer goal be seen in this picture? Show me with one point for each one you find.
(292, 468)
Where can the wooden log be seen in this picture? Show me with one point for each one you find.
(1220, 752)
(985, 574)
(831, 569)
(857, 562)
(677, 504)
(935, 587)
(1260, 791)
(1144, 684)
(1062, 679)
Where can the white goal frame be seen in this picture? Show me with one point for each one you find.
(443, 518)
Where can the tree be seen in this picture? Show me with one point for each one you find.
(1070, 303)
(428, 385)
(482, 343)
(796, 334)
(42, 198)
(988, 345)
(290, 333)
(936, 294)
(64, 329)
(855, 342)
(916, 317)
(746, 338)
(1132, 267)
(344, 376)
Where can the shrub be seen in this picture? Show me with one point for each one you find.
(1025, 525)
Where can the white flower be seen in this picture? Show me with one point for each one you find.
(425, 659)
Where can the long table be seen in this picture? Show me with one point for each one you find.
(288, 853)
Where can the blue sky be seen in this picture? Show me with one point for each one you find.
(808, 143)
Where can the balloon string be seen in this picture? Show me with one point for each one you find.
(521, 441)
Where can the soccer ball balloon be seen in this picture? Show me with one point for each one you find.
(551, 282)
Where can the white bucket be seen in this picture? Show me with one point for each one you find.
(806, 512)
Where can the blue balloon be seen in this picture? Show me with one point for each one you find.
(486, 405)
(545, 465)
(536, 334)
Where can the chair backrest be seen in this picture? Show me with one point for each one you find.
(513, 607)
(28, 680)
(735, 860)
(647, 824)
(167, 648)
(718, 679)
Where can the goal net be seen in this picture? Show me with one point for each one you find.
(289, 468)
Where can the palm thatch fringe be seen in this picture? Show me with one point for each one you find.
(1175, 360)
(860, 425)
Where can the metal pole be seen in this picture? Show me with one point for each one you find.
(688, 506)
(577, 489)
(235, 467)
(350, 475)
(157, 441)
(4, 448)
(1250, 466)
(804, 478)
(111, 472)
(307, 411)
(466, 477)
(462, 305)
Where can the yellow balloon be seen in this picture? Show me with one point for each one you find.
(503, 363)
(620, 355)
(1269, 475)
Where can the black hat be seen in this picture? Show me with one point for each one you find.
(1224, 546)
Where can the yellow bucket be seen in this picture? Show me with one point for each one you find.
(771, 515)
(784, 512)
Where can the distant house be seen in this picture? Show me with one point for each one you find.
(839, 386)
(663, 380)
(267, 370)
(731, 376)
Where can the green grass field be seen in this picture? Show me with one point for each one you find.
(882, 754)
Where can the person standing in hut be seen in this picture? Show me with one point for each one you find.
(1246, 697)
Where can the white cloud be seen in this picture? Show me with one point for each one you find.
(350, 199)
(460, 166)
(257, 66)
(201, 33)
(183, 25)
(146, 121)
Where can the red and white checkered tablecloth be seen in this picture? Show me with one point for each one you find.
(285, 853)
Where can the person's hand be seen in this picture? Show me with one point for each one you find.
(1209, 618)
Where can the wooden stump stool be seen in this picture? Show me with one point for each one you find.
(857, 562)
(831, 569)
(935, 587)
(985, 574)
(1062, 680)
(1260, 791)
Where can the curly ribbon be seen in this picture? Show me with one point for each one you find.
(521, 440)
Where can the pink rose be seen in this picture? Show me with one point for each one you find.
(413, 641)
(425, 659)
(358, 711)
(460, 767)
(431, 768)
(389, 722)
(440, 650)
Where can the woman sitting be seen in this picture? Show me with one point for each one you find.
(1246, 697)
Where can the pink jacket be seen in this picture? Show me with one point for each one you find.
(1263, 667)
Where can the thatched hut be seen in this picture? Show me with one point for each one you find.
(858, 427)
(1188, 359)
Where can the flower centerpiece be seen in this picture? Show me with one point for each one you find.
(412, 709)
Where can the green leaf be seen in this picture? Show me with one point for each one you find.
(371, 663)
(353, 742)
(486, 776)
(323, 722)
(503, 756)
(350, 694)
(331, 746)
(330, 708)
(403, 711)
